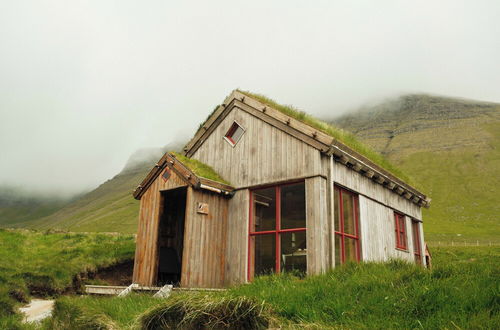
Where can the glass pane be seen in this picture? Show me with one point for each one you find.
(293, 206)
(336, 210)
(338, 251)
(416, 237)
(264, 215)
(348, 205)
(238, 132)
(294, 252)
(350, 249)
(265, 254)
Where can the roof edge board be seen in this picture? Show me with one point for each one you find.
(181, 170)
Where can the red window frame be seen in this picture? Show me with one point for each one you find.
(231, 131)
(277, 231)
(417, 248)
(339, 232)
(400, 229)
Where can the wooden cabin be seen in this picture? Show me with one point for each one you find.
(258, 190)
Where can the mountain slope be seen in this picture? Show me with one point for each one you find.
(108, 208)
(452, 148)
(18, 208)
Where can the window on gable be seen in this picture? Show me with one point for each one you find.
(400, 228)
(234, 134)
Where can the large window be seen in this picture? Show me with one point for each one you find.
(400, 226)
(417, 248)
(346, 226)
(277, 240)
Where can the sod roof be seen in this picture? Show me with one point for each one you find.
(339, 134)
(199, 168)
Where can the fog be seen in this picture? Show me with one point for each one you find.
(84, 84)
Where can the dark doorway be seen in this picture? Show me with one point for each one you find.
(171, 235)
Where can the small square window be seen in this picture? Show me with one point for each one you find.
(234, 134)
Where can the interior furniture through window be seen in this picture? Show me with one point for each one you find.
(277, 241)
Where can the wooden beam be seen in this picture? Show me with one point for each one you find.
(289, 129)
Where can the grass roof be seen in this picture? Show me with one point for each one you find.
(199, 168)
(339, 134)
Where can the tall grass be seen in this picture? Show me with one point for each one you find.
(461, 291)
(48, 264)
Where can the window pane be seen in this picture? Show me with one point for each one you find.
(293, 206)
(294, 252)
(349, 220)
(238, 132)
(350, 249)
(336, 210)
(264, 215)
(338, 251)
(265, 254)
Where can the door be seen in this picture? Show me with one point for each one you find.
(171, 236)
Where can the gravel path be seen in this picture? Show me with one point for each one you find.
(37, 310)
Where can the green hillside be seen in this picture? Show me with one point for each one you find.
(18, 208)
(451, 147)
(108, 208)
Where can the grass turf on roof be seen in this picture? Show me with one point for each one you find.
(339, 134)
(199, 168)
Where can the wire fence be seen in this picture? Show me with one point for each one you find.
(463, 243)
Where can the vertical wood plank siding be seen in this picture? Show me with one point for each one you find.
(318, 229)
(203, 261)
(363, 185)
(264, 154)
(378, 239)
(146, 250)
(237, 238)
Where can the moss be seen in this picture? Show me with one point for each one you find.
(199, 168)
(339, 134)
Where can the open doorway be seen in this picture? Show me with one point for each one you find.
(171, 235)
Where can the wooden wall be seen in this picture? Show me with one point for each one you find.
(263, 155)
(237, 238)
(376, 216)
(378, 238)
(363, 185)
(318, 225)
(203, 261)
(146, 250)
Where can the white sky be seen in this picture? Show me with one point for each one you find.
(83, 84)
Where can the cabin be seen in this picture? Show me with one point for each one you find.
(262, 188)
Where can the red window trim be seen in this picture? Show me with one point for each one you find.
(342, 235)
(400, 229)
(277, 231)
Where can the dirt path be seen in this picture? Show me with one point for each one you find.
(37, 310)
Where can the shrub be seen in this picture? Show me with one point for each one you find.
(208, 311)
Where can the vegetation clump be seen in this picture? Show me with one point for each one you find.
(208, 311)
(199, 168)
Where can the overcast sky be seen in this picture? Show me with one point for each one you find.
(83, 84)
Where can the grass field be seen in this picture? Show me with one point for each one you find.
(45, 264)
(460, 292)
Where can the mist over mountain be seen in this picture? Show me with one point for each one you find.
(449, 146)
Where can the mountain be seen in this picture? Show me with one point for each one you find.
(18, 207)
(451, 147)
